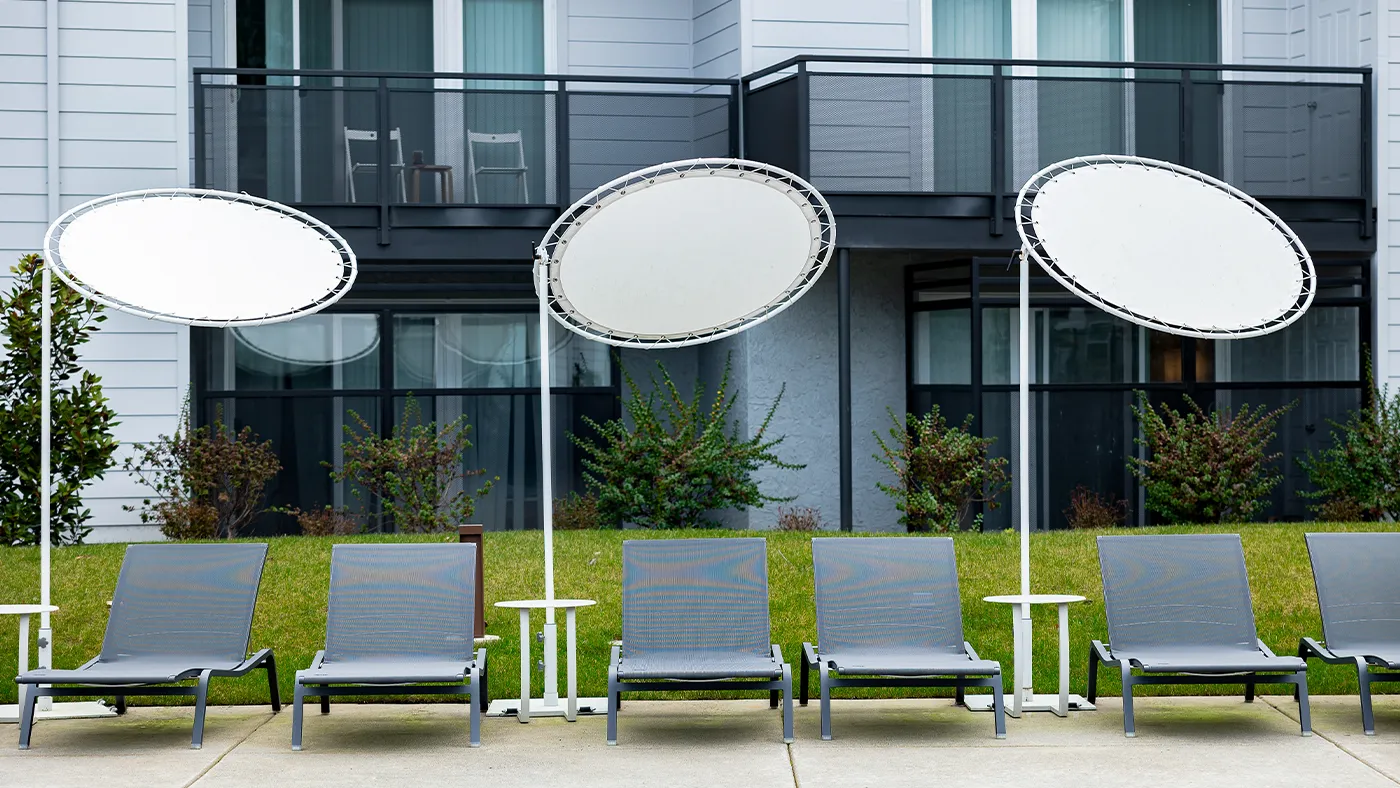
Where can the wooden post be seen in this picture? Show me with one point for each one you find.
(472, 534)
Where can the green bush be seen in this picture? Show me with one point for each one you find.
(576, 513)
(679, 459)
(81, 421)
(1358, 476)
(1206, 468)
(940, 471)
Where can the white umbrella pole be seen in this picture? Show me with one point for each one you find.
(551, 668)
(45, 480)
(1023, 463)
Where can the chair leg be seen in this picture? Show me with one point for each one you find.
(121, 704)
(787, 703)
(998, 710)
(298, 700)
(1093, 691)
(824, 680)
(1304, 717)
(201, 701)
(1129, 725)
(614, 700)
(28, 697)
(271, 667)
(325, 704)
(1249, 689)
(804, 673)
(474, 714)
(1363, 677)
(485, 688)
(960, 696)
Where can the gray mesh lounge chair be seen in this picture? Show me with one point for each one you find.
(889, 615)
(695, 616)
(1180, 604)
(180, 613)
(1358, 592)
(399, 621)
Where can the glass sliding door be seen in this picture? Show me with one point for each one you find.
(506, 123)
(1178, 31)
(961, 97)
(1081, 111)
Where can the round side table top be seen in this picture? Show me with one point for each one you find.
(1034, 599)
(26, 610)
(544, 603)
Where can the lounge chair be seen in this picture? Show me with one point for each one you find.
(399, 621)
(889, 615)
(1358, 592)
(695, 617)
(1180, 604)
(181, 612)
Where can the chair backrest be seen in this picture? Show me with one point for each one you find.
(890, 593)
(401, 602)
(369, 135)
(1358, 587)
(695, 595)
(514, 138)
(1176, 591)
(185, 601)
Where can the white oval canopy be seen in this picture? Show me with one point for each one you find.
(1165, 247)
(686, 252)
(200, 257)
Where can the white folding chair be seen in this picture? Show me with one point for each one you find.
(352, 166)
(519, 170)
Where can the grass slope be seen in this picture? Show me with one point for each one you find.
(291, 610)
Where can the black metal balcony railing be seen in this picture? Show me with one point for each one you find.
(982, 127)
(325, 137)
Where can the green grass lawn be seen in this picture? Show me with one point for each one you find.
(291, 610)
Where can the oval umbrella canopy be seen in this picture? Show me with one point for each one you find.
(686, 252)
(1165, 247)
(199, 257)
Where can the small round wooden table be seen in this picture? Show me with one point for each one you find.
(1023, 697)
(548, 705)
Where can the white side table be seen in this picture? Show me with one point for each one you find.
(547, 706)
(1024, 698)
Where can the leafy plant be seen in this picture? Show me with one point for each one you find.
(1206, 468)
(1088, 509)
(326, 521)
(576, 513)
(208, 482)
(679, 459)
(415, 473)
(940, 471)
(81, 422)
(799, 518)
(1358, 476)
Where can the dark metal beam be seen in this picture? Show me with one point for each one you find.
(843, 332)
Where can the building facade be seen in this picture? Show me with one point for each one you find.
(919, 119)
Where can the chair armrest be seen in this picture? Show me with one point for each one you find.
(1104, 653)
(1268, 652)
(809, 652)
(481, 659)
(971, 652)
(317, 660)
(255, 661)
(616, 655)
(778, 654)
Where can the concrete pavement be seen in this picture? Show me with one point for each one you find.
(1181, 742)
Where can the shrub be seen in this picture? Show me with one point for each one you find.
(1206, 468)
(81, 421)
(799, 518)
(208, 482)
(326, 521)
(576, 513)
(679, 459)
(416, 473)
(940, 471)
(1088, 509)
(1358, 476)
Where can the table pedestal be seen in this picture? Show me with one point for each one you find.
(1024, 698)
(46, 709)
(551, 705)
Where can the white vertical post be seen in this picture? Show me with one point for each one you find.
(551, 643)
(1064, 659)
(524, 713)
(1023, 459)
(24, 643)
(571, 649)
(45, 482)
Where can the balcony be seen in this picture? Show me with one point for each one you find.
(504, 152)
(946, 144)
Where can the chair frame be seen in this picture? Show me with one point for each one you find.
(352, 167)
(1309, 648)
(775, 687)
(521, 171)
(827, 681)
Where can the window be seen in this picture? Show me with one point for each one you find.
(301, 384)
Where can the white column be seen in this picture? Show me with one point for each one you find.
(551, 642)
(45, 482)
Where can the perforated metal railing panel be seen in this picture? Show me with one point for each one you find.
(875, 593)
(695, 595)
(1176, 592)
(192, 600)
(1358, 589)
(401, 602)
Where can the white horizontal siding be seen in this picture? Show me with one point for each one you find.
(627, 37)
(784, 28)
(23, 158)
(715, 37)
